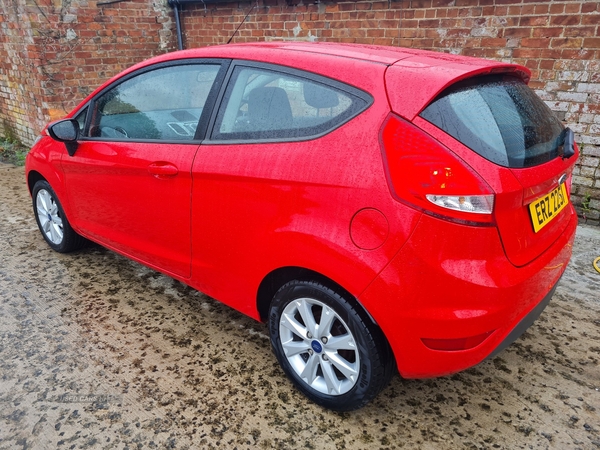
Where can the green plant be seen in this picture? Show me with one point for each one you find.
(12, 151)
(585, 203)
(10, 135)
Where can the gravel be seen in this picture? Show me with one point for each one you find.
(97, 351)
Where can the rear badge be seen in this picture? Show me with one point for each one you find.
(562, 178)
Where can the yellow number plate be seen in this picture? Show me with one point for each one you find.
(546, 208)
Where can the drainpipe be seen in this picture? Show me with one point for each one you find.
(175, 5)
(178, 23)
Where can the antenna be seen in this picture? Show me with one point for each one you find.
(236, 30)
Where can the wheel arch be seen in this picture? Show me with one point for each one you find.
(53, 177)
(33, 177)
(278, 277)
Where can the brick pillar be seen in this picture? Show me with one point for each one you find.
(22, 110)
(54, 52)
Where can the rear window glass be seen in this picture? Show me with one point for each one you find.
(501, 119)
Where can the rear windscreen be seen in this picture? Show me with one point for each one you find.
(501, 119)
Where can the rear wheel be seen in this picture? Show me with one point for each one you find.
(52, 221)
(333, 354)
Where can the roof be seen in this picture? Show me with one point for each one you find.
(372, 53)
(413, 77)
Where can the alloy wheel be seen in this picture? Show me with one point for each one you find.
(48, 215)
(319, 346)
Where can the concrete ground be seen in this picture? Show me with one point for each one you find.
(100, 352)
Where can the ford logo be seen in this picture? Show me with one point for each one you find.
(562, 179)
(316, 346)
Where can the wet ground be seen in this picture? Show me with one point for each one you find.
(100, 352)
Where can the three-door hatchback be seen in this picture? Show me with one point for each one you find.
(380, 208)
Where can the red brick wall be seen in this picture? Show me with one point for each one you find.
(62, 48)
(55, 51)
(19, 87)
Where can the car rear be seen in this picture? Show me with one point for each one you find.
(489, 166)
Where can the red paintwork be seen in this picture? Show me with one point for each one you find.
(369, 229)
(413, 82)
(461, 284)
(221, 217)
(128, 206)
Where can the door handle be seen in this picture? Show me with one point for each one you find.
(162, 169)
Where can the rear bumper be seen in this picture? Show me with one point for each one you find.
(525, 323)
(453, 286)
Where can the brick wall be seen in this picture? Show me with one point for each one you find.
(558, 40)
(55, 51)
(18, 105)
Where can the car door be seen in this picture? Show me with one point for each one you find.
(268, 177)
(129, 182)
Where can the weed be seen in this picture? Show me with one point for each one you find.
(585, 203)
(12, 151)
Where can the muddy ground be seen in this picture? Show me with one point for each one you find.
(100, 352)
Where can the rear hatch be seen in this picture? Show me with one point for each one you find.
(484, 113)
(503, 121)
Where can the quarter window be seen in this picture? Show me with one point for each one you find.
(163, 104)
(81, 118)
(266, 104)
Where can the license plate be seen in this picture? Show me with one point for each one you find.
(546, 208)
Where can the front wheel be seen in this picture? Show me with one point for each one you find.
(333, 354)
(52, 221)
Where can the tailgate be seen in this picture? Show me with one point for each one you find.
(517, 145)
(530, 221)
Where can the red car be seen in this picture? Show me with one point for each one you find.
(380, 208)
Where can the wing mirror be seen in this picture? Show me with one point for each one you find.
(66, 131)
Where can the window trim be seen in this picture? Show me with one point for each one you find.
(299, 73)
(201, 128)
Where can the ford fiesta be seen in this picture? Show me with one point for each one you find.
(381, 209)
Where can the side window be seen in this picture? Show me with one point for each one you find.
(266, 104)
(163, 104)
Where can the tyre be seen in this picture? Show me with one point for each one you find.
(331, 351)
(52, 221)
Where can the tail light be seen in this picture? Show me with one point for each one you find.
(428, 176)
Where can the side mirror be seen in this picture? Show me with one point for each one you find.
(66, 131)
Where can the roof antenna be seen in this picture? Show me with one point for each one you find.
(236, 30)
